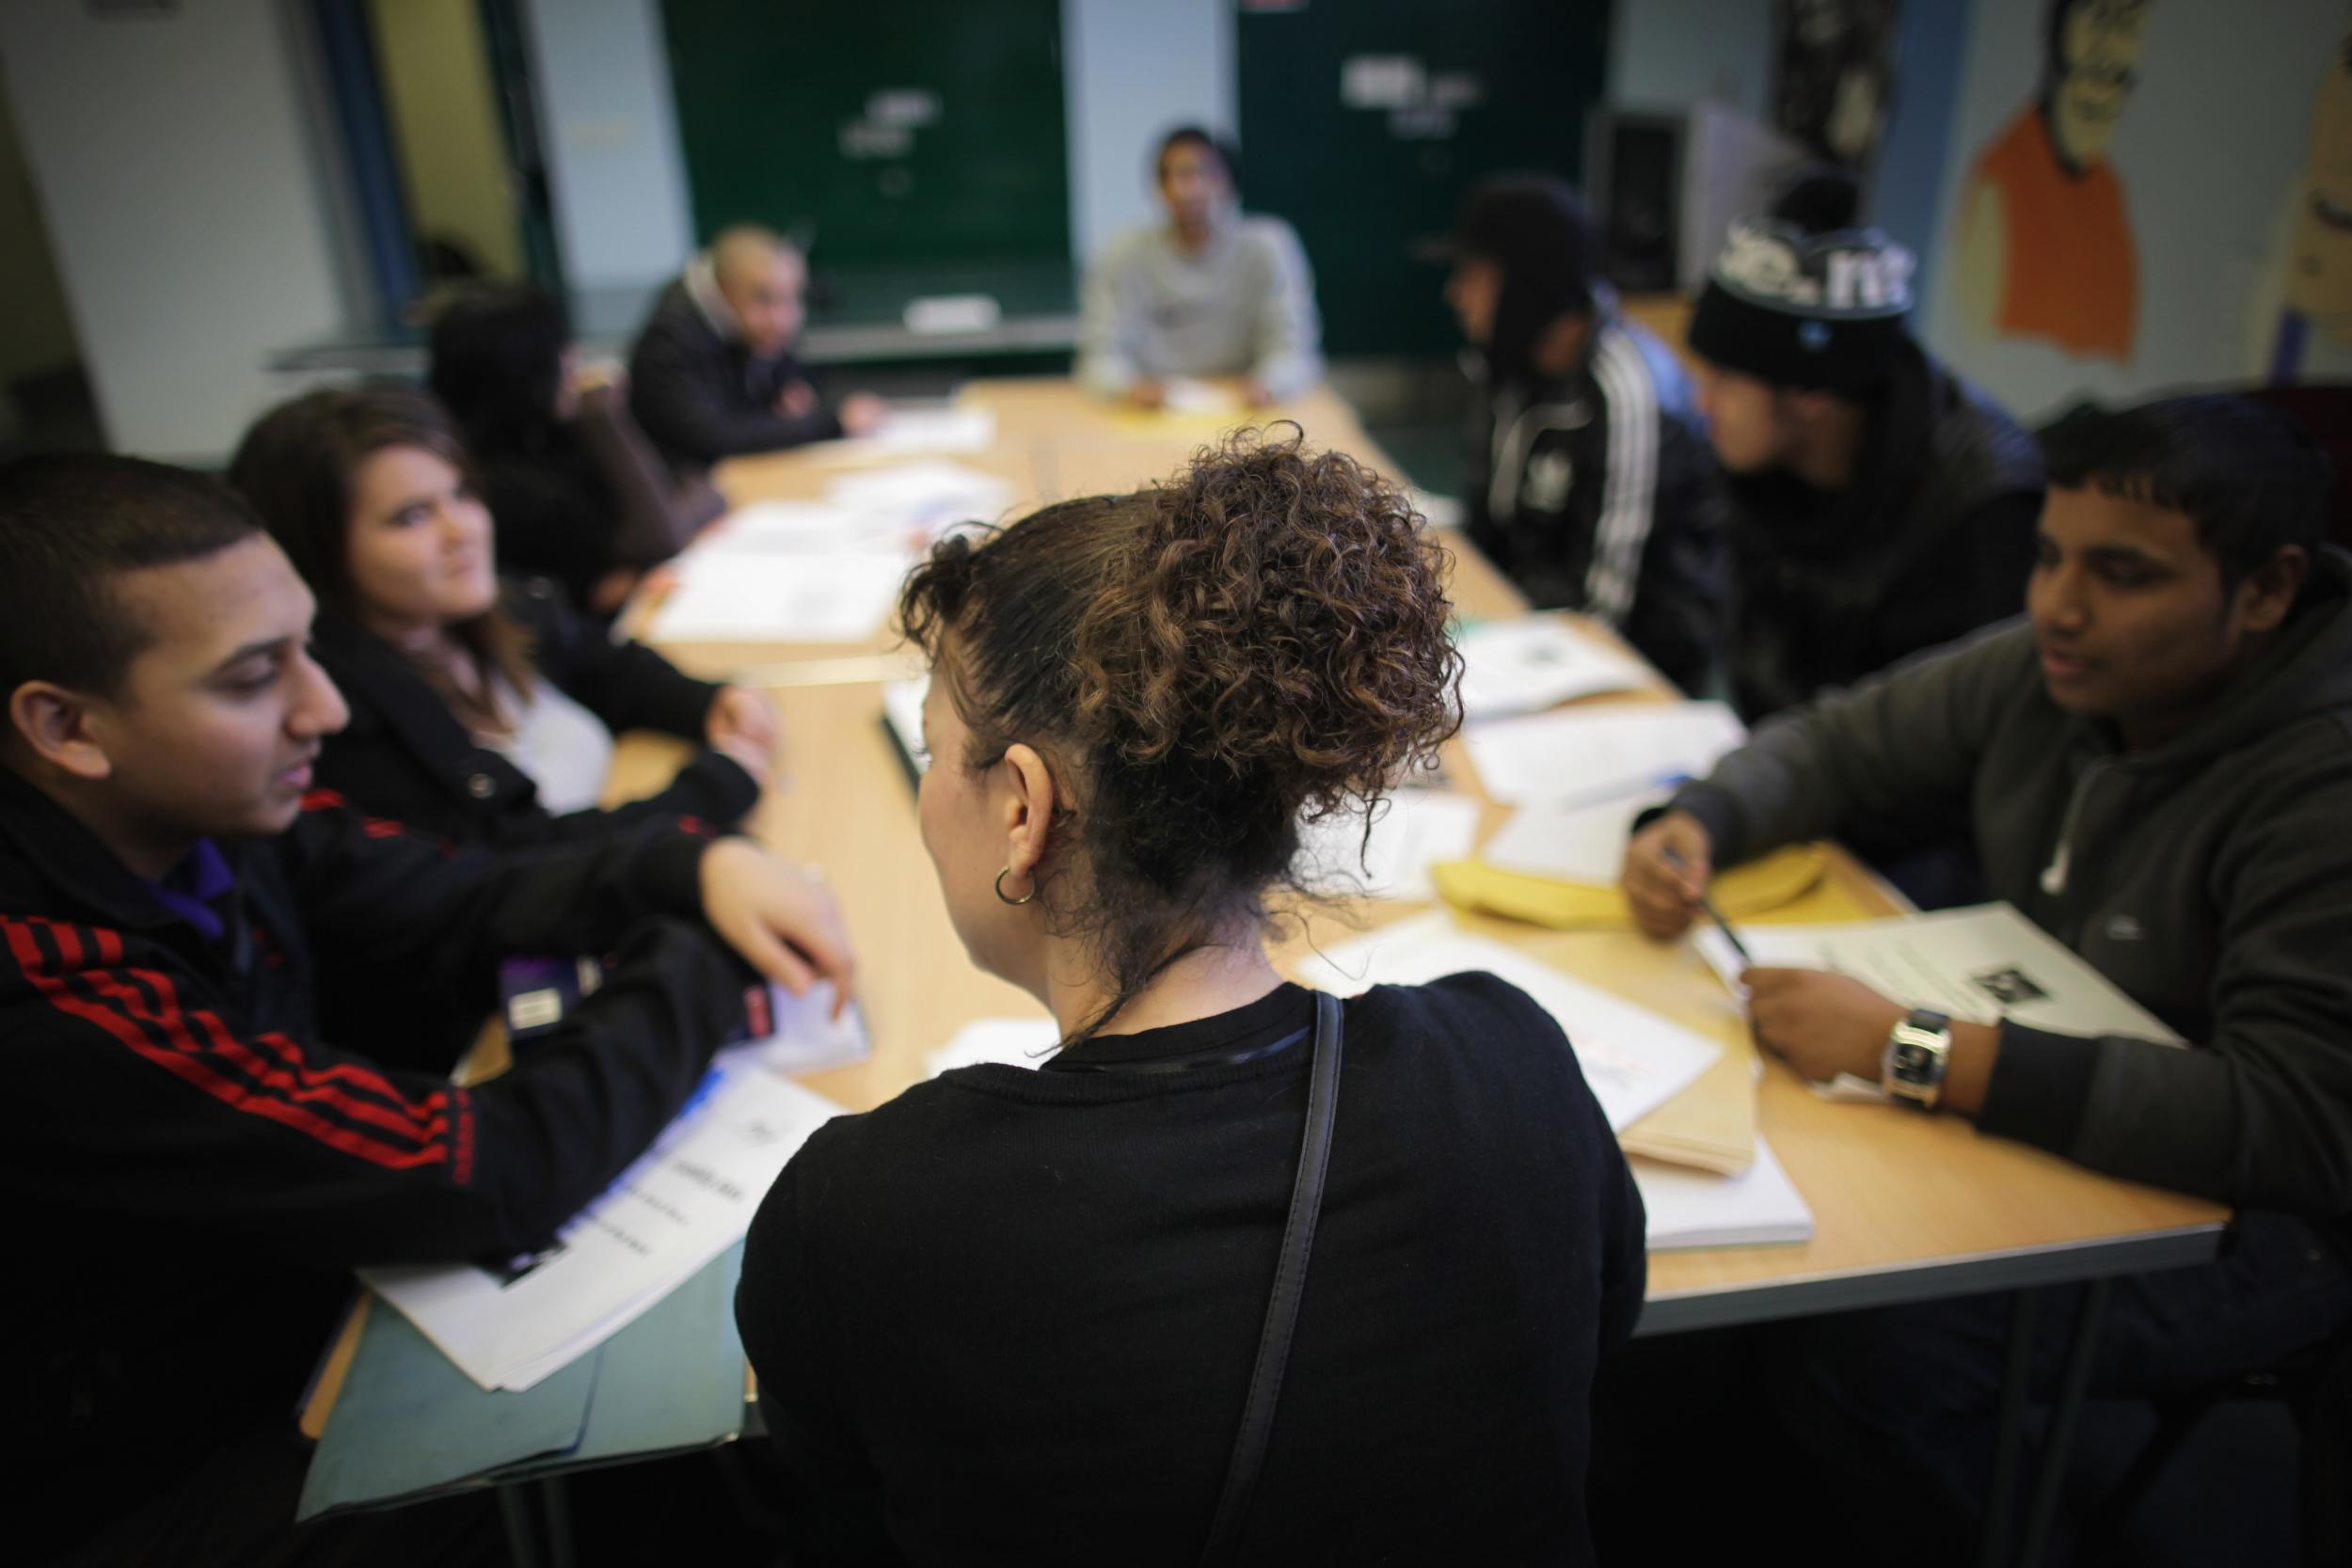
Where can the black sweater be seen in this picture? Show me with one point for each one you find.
(405, 756)
(196, 1170)
(1017, 1310)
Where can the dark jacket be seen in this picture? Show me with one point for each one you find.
(407, 756)
(196, 1171)
(1598, 493)
(1934, 539)
(1023, 1305)
(2207, 878)
(578, 498)
(702, 397)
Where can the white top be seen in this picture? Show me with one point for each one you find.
(1244, 305)
(563, 748)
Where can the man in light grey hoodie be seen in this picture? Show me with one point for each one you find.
(1211, 293)
(2156, 768)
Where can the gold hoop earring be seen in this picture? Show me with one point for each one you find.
(1000, 890)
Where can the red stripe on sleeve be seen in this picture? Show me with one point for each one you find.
(183, 1059)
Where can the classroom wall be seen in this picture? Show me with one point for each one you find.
(1677, 54)
(190, 230)
(1129, 73)
(617, 181)
(436, 72)
(2210, 154)
(36, 331)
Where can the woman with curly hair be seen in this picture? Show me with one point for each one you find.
(1191, 1282)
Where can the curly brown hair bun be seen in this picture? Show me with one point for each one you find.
(1259, 642)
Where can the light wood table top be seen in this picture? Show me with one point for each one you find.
(1905, 1206)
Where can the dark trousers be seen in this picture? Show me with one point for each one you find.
(1846, 1434)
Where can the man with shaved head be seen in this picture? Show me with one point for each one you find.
(713, 376)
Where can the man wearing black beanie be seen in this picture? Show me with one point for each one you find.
(1589, 477)
(1881, 506)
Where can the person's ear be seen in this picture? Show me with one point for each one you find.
(1028, 809)
(55, 722)
(2271, 589)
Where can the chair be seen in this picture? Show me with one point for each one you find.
(2316, 1385)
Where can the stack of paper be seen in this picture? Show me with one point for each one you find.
(1696, 1209)
(805, 528)
(737, 596)
(1633, 1059)
(1597, 755)
(1413, 831)
(687, 1200)
(1536, 662)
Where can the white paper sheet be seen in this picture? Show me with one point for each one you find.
(1576, 844)
(804, 528)
(1982, 964)
(902, 710)
(930, 497)
(1022, 1042)
(1634, 1060)
(1583, 755)
(737, 596)
(1414, 829)
(687, 1200)
(806, 1038)
(1700, 1209)
(1526, 665)
(1181, 394)
(906, 429)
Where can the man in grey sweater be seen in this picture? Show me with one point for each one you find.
(1211, 293)
(2156, 768)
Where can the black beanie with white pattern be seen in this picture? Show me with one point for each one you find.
(1802, 297)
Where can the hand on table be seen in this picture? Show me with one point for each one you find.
(742, 725)
(1147, 394)
(779, 916)
(862, 414)
(796, 401)
(1257, 394)
(1667, 866)
(1819, 1023)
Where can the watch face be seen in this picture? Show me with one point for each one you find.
(1913, 1061)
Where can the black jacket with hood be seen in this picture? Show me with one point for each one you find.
(1934, 539)
(703, 396)
(197, 1170)
(2209, 878)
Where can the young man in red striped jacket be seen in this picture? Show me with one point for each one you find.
(193, 1170)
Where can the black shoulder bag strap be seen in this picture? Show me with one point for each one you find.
(1290, 1278)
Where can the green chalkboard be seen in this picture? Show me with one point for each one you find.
(1364, 123)
(911, 131)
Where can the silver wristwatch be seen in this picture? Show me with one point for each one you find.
(1917, 1051)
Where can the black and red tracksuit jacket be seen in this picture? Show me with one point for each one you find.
(193, 1171)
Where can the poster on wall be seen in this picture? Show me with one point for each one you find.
(1833, 83)
(2148, 194)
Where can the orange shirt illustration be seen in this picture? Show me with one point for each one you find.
(2069, 273)
(2046, 239)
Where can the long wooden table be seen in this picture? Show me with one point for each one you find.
(1905, 1206)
